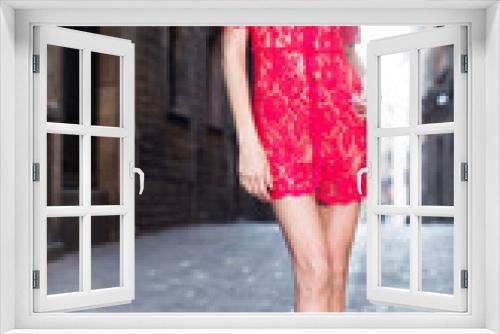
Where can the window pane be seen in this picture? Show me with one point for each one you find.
(105, 92)
(105, 251)
(395, 90)
(63, 170)
(436, 84)
(437, 254)
(105, 170)
(394, 170)
(437, 169)
(63, 84)
(63, 267)
(395, 251)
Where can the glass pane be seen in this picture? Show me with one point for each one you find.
(105, 252)
(437, 254)
(395, 90)
(436, 84)
(395, 251)
(63, 266)
(437, 169)
(63, 170)
(105, 92)
(394, 170)
(63, 84)
(105, 170)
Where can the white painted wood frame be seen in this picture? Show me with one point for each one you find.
(86, 44)
(17, 17)
(411, 44)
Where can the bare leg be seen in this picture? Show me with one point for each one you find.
(301, 226)
(339, 222)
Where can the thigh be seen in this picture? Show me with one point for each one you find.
(300, 223)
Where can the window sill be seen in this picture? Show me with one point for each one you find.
(259, 331)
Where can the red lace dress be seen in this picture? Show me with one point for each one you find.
(301, 103)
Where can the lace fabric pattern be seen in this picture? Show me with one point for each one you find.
(301, 104)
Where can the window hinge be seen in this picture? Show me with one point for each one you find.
(465, 279)
(36, 172)
(36, 279)
(36, 63)
(465, 66)
(464, 168)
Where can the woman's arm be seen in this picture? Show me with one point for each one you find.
(354, 59)
(350, 37)
(234, 64)
(253, 168)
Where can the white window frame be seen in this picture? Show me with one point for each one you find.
(411, 44)
(84, 211)
(16, 20)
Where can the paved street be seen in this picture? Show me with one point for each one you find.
(240, 267)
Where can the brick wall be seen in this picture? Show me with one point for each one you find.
(185, 140)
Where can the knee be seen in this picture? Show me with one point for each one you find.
(313, 275)
(338, 275)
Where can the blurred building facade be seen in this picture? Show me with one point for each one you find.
(185, 137)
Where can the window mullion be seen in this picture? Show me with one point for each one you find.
(414, 175)
(86, 168)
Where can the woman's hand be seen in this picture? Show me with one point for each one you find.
(359, 104)
(254, 172)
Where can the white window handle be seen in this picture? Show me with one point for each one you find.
(136, 170)
(358, 175)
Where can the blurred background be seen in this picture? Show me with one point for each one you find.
(202, 243)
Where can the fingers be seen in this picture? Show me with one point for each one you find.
(268, 178)
(264, 188)
(360, 109)
(246, 180)
(263, 193)
(250, 183)
(257, 185)
(260, 188)
(263, 185)
(359, 104)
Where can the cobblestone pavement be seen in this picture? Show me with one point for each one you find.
(240, 267)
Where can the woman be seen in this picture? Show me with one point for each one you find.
(302, 138)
